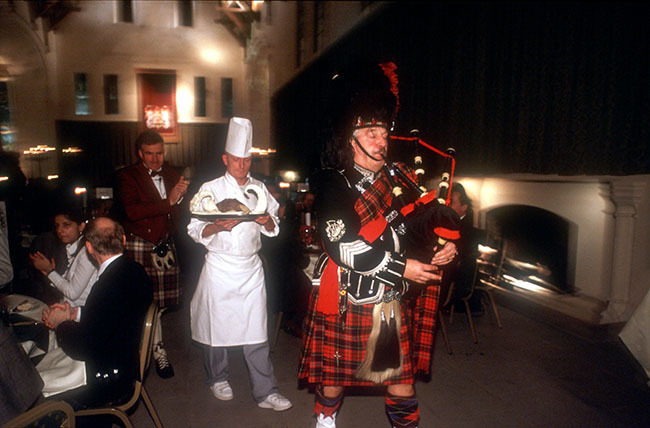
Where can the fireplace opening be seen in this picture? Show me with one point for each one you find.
(528, 247)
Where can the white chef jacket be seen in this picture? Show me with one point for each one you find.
(229, 305)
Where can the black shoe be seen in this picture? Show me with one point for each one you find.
(163, 366)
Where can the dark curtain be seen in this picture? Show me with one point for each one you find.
(543, 88)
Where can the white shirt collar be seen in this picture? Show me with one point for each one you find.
(104, 265)
(71, 248)
(149, 170)
(366, 172)
(233, 181)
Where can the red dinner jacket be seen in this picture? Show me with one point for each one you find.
(148, 216)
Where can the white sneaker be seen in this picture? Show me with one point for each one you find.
(275, 401)
(326, 422)
(222, 390)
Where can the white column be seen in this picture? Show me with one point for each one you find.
(626, 196)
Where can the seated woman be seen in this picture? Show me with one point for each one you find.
(78, 278)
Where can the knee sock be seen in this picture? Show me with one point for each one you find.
(157, 333)
(325, 405)
(403, 412)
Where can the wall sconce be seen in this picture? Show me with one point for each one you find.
(84, 193)
(262, 153)
(72, 150)
(289, 175)
(38, 150)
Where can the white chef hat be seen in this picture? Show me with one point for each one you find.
(240, 137)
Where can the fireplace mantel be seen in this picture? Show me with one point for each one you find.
(609, 219)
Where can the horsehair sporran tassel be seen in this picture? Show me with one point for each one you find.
(383, 357)
(387, 348)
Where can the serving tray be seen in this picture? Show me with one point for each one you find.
(227, 216)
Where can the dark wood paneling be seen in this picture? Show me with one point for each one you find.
(107, 146)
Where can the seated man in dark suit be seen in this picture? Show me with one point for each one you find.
(462, 272)
(106, 332)
(20, 384)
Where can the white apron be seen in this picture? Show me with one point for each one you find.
(229, 305)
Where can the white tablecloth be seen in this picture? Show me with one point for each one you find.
(59, 372)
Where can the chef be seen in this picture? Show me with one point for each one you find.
(229, 305)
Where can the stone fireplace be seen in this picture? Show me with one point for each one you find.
(533, 246)
(590, 232)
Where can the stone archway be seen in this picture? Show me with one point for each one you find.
(23, 56)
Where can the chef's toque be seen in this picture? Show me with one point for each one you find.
(240, 137)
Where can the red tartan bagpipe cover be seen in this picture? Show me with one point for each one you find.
(429, 224)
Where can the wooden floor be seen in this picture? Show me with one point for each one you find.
(528, 374)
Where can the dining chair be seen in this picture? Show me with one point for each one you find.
(139, 391)
(445, 301)
(48, 414)
(479, 285)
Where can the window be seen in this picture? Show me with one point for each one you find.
(199, 96)
(6, 134)
(185, 13)
(81, 98)
(227, 107)
(110, 94)
(124, 11)
(157, 102)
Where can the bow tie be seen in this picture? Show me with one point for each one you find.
(154, 173)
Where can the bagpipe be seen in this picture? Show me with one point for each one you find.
(429, 220)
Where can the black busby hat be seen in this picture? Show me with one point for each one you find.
(361, 94)
(364, 94)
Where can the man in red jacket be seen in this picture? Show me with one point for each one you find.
(149, 192)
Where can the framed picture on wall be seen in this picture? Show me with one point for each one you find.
(157, 103)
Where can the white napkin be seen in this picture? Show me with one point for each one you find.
(59, 372)
(31, 349)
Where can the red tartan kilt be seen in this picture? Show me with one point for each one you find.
(166, 289)
(324, 337)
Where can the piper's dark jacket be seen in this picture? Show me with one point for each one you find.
(374, 264)
(375, 261)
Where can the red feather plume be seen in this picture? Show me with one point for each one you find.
(389, 70)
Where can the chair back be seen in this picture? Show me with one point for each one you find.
(146, 343)
(150, 320)
(48, 414)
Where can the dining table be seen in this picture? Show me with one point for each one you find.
(24, 314)
(59, 372)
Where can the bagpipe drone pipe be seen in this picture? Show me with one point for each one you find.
(429, 221)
